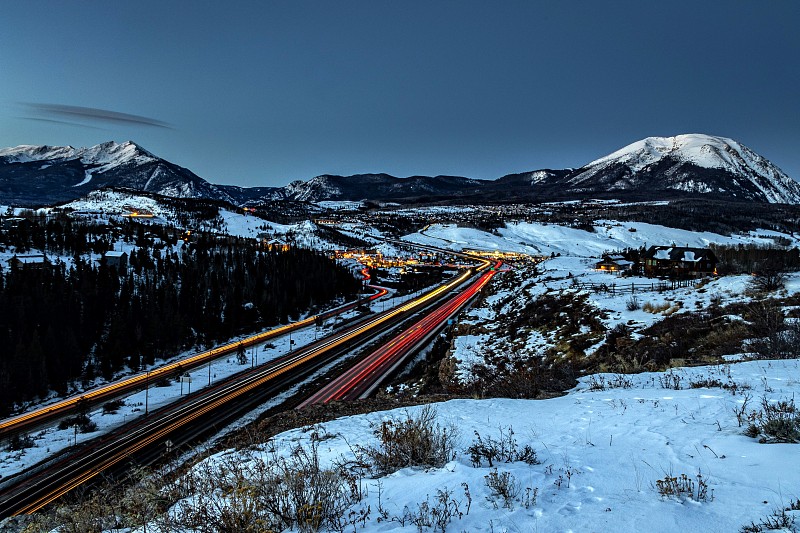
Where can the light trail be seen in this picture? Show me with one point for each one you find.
(366, 375)
(33, 418)
(73, 471)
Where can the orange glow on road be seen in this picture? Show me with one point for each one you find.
(385, 358)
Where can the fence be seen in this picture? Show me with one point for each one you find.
(631, 288)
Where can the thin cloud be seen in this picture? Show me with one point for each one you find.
(94, 114)
(64, 122)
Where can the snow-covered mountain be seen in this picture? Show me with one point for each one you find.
(42, 175)
(694, 163)
(655, 168)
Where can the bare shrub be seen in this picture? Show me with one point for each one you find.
(530, 497)
(234, 494)
(741, 412)
(775, 422)
(670, 380)
(436, 515)
(414, 441)
(780, 519)
(504, 449)
(768, 278)
(503, 486)
(683, 487)
(706, 383)
(632, 304)
(598, 382)
(83, 511)
(726, 338)
(776, 338)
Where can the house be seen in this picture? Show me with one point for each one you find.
(116, 259)
(277, 244)
(267, 242)
(29, 261)
(679, 262)
(614, 263)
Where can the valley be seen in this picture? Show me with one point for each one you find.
(542, 329)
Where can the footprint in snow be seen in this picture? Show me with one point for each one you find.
(570, 509)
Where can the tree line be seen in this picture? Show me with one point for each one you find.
(78, 319)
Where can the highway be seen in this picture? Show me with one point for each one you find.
(44, 415)
(208, 410)
(362, 379)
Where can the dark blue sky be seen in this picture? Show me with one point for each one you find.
(262, 93)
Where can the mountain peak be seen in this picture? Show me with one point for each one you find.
(41, 175)
(692, 163)
(707, 151)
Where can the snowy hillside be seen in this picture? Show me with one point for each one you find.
(119, 203)
(545, 239)
(604, 459)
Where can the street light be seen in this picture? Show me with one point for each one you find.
(146, 391)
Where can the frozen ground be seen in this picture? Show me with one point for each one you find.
(609, 235)
(601, 453)
(572, 254)
(604, 446)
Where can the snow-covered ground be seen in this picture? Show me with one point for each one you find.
(572, 254)
(601, 456)
(608, 447)
(602, 452)
(544, 239)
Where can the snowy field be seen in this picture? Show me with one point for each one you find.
(601, 456)
(573, 268)
(609, 235)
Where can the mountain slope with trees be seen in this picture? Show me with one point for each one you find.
(77, 321)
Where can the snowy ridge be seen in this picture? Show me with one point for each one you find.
(703, 150)
(45, 175)
(317, 188)
(675, 160)
(655, 168)
(26, 153)
(105, 155)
